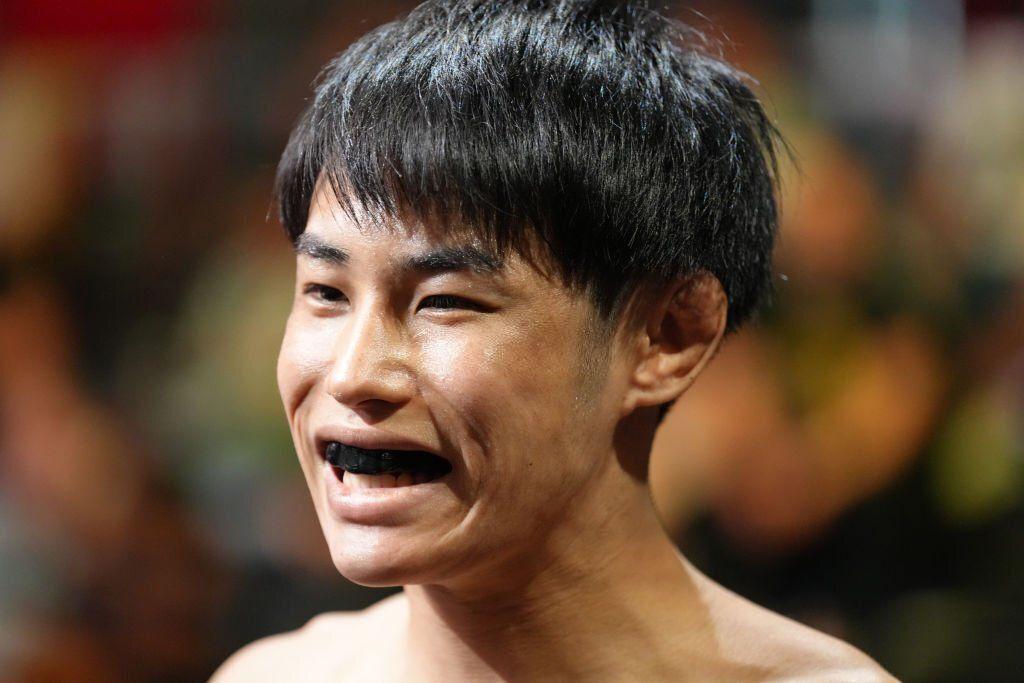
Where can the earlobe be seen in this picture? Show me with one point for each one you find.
(682, 332)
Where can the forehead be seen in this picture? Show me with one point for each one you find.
(329, 222)
(326, 212)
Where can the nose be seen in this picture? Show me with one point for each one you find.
(370, 374)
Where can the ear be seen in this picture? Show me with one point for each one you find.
(681, 333)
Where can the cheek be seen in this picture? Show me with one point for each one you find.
(452, 374)
(512, 392)
(444, 361)
(304, 358)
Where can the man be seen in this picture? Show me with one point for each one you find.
(522, 229)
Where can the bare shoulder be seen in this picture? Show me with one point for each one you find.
(323, 649)
(769, 646)
(809, 655)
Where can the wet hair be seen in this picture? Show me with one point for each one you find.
(603, 131)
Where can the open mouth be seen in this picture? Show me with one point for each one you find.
(383, 468)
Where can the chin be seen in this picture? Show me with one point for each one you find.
(379, 558)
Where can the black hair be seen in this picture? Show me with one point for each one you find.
(610, 133)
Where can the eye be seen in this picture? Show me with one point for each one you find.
(324, 294)
(447, 302)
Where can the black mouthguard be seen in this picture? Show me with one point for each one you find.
(367, 461)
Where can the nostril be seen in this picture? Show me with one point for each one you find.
(371, 390)
(375, 410)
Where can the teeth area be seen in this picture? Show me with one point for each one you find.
(382, 481)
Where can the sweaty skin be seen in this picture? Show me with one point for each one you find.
(539, 556)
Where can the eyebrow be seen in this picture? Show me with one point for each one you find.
(435, 261)
(456, 258)
(315, 248)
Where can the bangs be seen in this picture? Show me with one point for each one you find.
(418, 123)
(579, 126)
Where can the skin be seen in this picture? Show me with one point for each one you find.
(541, 556)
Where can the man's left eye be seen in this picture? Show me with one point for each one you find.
(448, 302)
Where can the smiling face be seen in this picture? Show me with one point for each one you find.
(402, 342)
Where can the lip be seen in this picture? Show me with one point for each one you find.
(379, 507)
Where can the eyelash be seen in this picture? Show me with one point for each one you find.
(439, 301)
(447, 302)
(325, 293)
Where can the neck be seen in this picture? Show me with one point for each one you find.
(605, 596)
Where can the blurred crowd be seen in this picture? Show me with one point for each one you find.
(854, 460)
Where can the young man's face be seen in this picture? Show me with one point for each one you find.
(399, 341)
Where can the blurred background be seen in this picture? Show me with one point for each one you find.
(855, 461)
